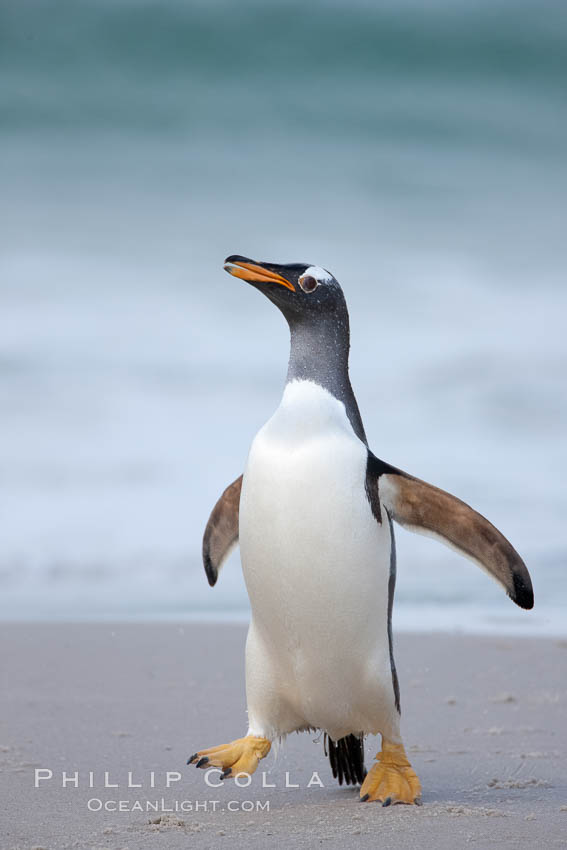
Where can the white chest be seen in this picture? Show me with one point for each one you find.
(306, 463)
(306, 528)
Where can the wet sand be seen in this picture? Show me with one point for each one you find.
(484, 722)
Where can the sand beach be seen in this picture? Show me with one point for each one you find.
(99, 719)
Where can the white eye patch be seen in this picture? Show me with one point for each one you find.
(320, 275)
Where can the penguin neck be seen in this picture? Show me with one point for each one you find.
(319, 353)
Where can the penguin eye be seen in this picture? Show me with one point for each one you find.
(308, 283)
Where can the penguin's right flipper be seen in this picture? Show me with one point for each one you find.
(425, 509)
(221, 533)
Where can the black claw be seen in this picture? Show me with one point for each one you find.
(226, 772)
(192, 758)
(365, 798)
(418, 802)
(387, 802)
(202, 761)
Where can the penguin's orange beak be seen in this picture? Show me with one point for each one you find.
(253, 272)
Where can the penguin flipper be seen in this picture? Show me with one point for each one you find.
(221, 533)
(425, 509)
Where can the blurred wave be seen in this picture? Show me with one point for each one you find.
(130, 65)
(415, 149)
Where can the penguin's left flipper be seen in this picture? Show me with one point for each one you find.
(425, 509)
(221, 532)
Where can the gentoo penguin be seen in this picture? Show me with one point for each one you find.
(314, 513)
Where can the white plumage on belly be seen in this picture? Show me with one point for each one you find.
(316, 564)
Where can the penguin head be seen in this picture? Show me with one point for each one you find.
(303, 293)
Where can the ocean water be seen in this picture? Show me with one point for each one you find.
(417, 150)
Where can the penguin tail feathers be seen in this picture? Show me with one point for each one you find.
(347, 758)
